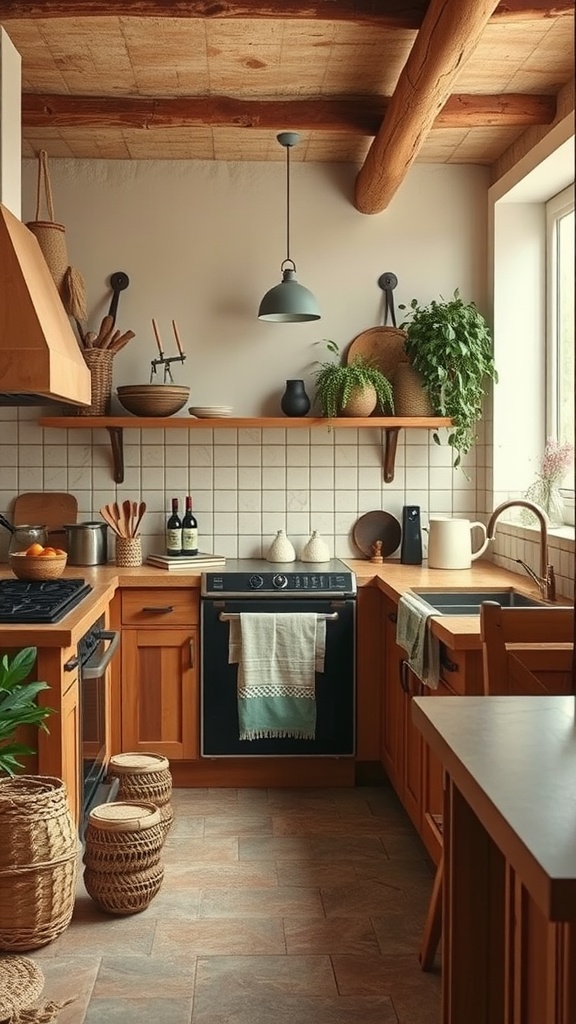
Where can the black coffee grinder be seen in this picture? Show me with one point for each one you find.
(411, 548)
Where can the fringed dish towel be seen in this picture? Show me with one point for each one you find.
(414, 636)
(278, 656)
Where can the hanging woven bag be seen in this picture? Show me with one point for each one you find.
(51, 238)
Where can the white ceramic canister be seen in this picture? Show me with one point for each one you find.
(316, 549)
(450, 543)
(281, 549)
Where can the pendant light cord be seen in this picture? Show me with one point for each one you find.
(288, 203)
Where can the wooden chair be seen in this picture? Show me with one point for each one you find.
(524, 651)
(527, 650)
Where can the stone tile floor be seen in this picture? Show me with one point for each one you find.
(277, 907)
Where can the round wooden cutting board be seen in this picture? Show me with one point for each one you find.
(383, 347)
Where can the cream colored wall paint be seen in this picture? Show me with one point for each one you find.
(202, 242)
(10, 118)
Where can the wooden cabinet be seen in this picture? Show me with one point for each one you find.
(401, 743)
(160, 672)
(59, 750)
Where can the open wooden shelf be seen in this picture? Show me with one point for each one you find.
(115, 425)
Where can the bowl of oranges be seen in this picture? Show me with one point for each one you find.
(38, 563)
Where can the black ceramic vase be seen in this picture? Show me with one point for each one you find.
(295, 401)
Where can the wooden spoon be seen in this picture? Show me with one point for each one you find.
(141, 511)
(127, 517)
(118, 516)
(108, 518)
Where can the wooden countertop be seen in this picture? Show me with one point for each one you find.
(393, 578)
(514, 761)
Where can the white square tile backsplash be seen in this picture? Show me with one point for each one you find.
(249, 483)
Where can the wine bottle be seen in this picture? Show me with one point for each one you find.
(174, 531)
(189, 530)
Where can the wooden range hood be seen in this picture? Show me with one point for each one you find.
(40, 360)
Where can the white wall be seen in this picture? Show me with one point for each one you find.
(202, 242)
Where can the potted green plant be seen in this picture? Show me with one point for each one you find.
(354, 389)
(18, 706)
(450, 345)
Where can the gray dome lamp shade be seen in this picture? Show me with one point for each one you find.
(288, 302)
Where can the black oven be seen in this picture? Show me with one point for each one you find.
(95, 652)
(326, 591)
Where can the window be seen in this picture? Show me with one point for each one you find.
(560, 367)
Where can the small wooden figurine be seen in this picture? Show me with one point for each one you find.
(376, 555)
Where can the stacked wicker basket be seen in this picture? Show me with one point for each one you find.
(145, 777)
(38, 859)
(124, 843)
(124, 840)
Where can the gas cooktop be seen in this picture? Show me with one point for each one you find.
(40, 601)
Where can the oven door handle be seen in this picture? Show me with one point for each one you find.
(94, 671)
(228, 616)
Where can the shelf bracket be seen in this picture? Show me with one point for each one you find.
(390, 442)
(117, 446)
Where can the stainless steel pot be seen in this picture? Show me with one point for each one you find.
(87, 543)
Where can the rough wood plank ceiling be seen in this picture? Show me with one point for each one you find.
(178, 79)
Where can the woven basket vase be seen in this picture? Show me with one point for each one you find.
(38, 857)
(100, 362)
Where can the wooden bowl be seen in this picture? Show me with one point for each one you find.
(153, 399)
(37, 567)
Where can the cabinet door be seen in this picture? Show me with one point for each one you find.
(392, 725)
(413, 743)
(160, 692)
(70, 748)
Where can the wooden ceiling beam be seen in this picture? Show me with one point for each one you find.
(360, 116)
(391, 14)
(449, 34)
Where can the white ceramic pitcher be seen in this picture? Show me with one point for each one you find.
(450, 543)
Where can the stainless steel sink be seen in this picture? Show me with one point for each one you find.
(467, 602)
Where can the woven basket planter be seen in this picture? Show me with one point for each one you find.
(38, 861)
(410, 397)
(145, 777)
(122, 856)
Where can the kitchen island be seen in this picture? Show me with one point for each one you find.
(509, 894)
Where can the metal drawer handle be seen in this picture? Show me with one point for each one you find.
(160, 610)
(392, 617)
(228, 616)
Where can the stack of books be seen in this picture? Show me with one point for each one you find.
(188, 563)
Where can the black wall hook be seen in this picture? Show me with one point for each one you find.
(119, 281)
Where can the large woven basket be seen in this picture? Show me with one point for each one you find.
(38, 859)
(145, 776)
(100, 362)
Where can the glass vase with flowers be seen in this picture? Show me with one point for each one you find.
(545, 491)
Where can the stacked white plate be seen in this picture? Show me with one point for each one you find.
(209, 411)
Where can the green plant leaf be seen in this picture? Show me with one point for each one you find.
(13, 670)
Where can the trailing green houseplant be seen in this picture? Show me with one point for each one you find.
(18, 706)
(337, 384)
(450, 345)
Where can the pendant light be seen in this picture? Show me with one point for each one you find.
(288, 302)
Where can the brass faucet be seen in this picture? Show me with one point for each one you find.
(546, 581)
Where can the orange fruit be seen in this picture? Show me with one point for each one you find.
(48, 553)
(60, 551)
(34, 549)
